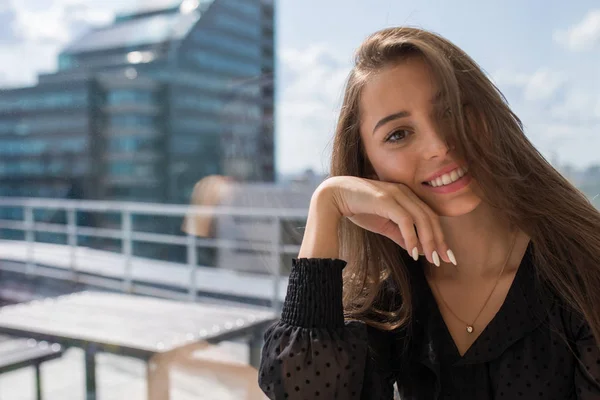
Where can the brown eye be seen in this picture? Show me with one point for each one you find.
(397, 136)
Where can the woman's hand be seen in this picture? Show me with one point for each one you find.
(389, 209)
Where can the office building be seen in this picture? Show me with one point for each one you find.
(145, 107)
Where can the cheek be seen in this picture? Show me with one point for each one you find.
(393, 167)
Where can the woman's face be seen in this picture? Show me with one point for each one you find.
(401, 127)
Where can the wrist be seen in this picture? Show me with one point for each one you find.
(322, 204)
(321, 234)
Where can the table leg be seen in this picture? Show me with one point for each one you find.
(90, 373)
(157, 378)
(255, 344)
(38, 382)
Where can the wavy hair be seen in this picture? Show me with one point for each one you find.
(514, 178)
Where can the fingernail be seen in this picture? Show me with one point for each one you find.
(436, 258)
(415, 254)
(451, 256)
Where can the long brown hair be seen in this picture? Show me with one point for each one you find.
(514, 177)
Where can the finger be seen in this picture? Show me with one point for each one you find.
(424, 228)
(392, 232)
(406, 217)
(402, 203)
(443, 247)
(419, 247)
(404, 222)
(438, 236)
(434, 222)
(426, 236)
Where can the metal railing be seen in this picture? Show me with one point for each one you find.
(128, 236)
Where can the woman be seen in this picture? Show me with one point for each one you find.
(429, 160)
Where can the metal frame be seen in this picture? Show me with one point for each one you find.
(128, 236)
(157, 362)
(20, 359)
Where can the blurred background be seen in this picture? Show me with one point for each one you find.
(169, 148)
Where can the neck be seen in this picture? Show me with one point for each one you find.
(481, 241)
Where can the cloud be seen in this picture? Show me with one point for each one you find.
(579, 105)
(542, 85)
(582, 36)
(7, 19)
(561, 114)
(33, 32)
(22, 62)
(311, 85)
(504, 77)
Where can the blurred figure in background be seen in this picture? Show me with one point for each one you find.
(210, 191)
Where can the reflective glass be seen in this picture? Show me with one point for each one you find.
(132, 121)
(196, 124)
(250, 8)
(118, 97)
(224, 64)
(131, 168)
(40, 101)
(131, 143)
(216, 40)
(155, 29)
(35, 124)
(232, 23)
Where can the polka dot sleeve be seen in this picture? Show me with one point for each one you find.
(311, 353)
(587, 375)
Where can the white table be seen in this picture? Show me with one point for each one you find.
(155, 330)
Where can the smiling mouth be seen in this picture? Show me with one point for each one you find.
(448, 178)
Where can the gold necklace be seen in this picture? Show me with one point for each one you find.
(470, 326)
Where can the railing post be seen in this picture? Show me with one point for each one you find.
(192, 256)
(276, 262)
(127, 248)
(72, 239)
(29, 239)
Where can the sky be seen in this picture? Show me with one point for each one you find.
(543, 55)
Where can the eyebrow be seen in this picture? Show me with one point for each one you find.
(391, 117)
(403, 114)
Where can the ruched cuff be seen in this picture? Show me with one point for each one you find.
(314, 294)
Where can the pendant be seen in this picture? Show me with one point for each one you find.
(470, 328)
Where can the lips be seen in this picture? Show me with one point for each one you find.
(448, 168)
(448, 177)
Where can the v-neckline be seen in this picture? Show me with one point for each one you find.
(454, 352)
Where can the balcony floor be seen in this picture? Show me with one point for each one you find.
(122, 378)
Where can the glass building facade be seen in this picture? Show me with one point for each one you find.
(144, 108)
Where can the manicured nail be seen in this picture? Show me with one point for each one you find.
(451, 256)
(436, 258)
(415, 254)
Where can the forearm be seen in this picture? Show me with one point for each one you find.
(321, 234)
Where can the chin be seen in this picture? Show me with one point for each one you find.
(458, 206)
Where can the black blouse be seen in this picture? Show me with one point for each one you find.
(533, 348)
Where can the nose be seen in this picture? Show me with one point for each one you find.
(433, 144)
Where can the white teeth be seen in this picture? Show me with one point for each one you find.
(448, 178)
(454, 176)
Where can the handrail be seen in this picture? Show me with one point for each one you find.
(127, 235)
